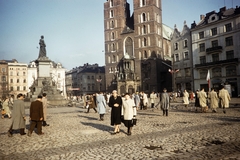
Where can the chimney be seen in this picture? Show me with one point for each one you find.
(202, 17)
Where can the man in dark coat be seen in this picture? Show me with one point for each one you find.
(19, 117)
(36, 116)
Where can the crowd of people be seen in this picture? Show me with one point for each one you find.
(123, 108)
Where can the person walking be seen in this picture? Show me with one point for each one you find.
(185, 98)
(137, 100)
(44, 101)
(115, 102)
(197, 104)
(128, 112)
(19, 116)
(165, 102)
(92, 103)
(6, 108)
(224, 98)
(145, 101)
(101, 105)
(36, 116)
(152, 99)
(203, 100)
(213, 97)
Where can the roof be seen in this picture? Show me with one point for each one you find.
(167, 31)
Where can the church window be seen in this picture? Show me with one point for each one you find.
(145, 54)
(144, 29)
(112, 35)
(143, 17)
(112, 24)
(111, 3)
(111, 14)
(144, 42)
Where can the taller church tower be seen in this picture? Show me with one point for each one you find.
(130, 40)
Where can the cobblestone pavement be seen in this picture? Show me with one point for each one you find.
(74, 134)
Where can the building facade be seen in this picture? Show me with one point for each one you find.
(216, 47)
(18, 78)
(4, 90)
(131, 40)
(182, 59)
(86, 79)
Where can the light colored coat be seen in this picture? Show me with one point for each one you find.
(225, 98)
(128, 109)
(202, 98)
(18, 121)
(152, 97)
(44, 101)
(185, 98)
(101, 104)
(145, 99)
(6, 107)
(213, 99)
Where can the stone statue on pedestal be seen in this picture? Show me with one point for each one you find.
(42, 50)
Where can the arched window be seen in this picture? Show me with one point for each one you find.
(109, 59)
(111, 14)
(129, 46)
(142, 3)
(145, 54)
(143, 17)
(144, 29)
(111, 3)
(113, 47)
(112, 35)
(114, 58)
(144, 42)
(112, 24)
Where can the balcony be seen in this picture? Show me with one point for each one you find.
(214, 49)
(222, 62)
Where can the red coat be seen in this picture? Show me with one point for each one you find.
(36, 110)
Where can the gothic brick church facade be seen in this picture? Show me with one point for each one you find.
(134, 55)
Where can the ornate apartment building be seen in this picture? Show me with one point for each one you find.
(216, 47)
(182, 59)
(130, 42)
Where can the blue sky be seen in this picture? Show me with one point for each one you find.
(73, 29)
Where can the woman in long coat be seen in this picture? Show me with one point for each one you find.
(6, 108)
(115, 102)
(165, 102)
(185, 98)
(225, 98)
(213, 100)
(129, 111)
(101, 105)
(19, 117)
(92, 104)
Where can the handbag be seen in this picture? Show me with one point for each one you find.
(134, 121)
(3, 112)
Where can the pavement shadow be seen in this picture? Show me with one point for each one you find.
(98, 126)
(225, 119)
(88, 117)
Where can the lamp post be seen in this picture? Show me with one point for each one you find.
(99, 81)
(172, 71)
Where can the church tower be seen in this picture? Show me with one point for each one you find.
(130, 40)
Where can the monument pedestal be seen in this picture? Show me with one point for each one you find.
(44, 84)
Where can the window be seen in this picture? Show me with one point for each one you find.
(215, 43)
(215, 57)
(111, 14)
(144, 29)
(18, 88)
(187, 72)
(11, 73)
(214, 31)
(176, 46)
(144, 42)
(17, 80)
(59, 75)
(11, 80)
(112, 24)
(11, 88)
(112, 35)
(111, 3)
(229, 54)
(145, 54)
(3, 78)
(185, 43)
(216, 72)
(24, 88)
(3, 69)
(228, 27)
(203, 73)
(114, 59)
(176, 57)
(229, 41)
(17, 73)
(142, 3)
(202, 47)
(24, 81)
(201, 35)
(186, 55)
(88, 77)
(24, 73)
(143, 17)
(113, 47)
(202, 59)
(231, 71)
